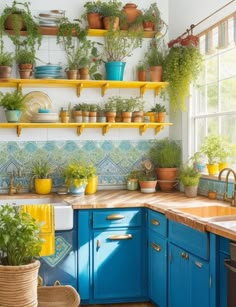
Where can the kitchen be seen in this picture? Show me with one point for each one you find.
(110, 151)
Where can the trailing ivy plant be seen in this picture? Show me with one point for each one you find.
(181, 67)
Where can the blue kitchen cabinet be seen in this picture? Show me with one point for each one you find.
(189, 278)
(113, 268)
(157, 258)
(223, 254)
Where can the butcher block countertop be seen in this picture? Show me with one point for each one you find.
(169, 204)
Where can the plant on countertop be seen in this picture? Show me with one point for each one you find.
(12, 100)
(78, 174)
(41, 168)
(189, 176)
(120, 44)
(20, 240)
(181, 67)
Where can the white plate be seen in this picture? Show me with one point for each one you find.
(34, 100)
(44, 121)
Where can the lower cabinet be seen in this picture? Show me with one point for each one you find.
(113, 268)
(189, 279)
(223, 254)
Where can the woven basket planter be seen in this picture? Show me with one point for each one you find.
(18, 285)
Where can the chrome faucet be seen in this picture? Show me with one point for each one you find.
(232, 199)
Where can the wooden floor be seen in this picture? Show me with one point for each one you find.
(122, 305)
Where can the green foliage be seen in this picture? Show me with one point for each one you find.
(12, 100)
(120, 44)
(6, 59)
(156, 53)
(189, 176)
(165, 153)
(111, 104)
(110, 8)
(153, 14)
(76, 173)
(41, 168)
(20, 240)
(158, 108)
(211, 147)
(181, 67)
(25, 57)
(142, 65)
(92, 7)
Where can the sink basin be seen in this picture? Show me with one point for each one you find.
(63, 211)
(206, 212)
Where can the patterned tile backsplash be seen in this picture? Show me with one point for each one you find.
(113, 159)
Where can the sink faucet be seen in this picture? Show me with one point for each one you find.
(226, 198)
(12, 189)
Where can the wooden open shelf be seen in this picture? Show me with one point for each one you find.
(105, 127)
(79, 85)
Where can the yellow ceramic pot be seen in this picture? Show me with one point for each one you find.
(213, 169)
(91, 187)
(223, 165)
(43, 186)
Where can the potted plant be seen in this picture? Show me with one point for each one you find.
(101, 114)
(41, 170)
(25, 60)
(152, 18)
(138, 111)
(181, 67)
(159, 112)
(128, 106)
(117, 46)
(211, 148)
(76, 177)
(6, 62)
(110, 108)
(111, 13)
(198, 161)
(132, 180)
(13, 103)
(227, 153)
(147, 177)
(77, 113)
(142, 71)
(93, 14)
(166, 156)
(20, 246)
(92, 113)
(189, 177)
(131, 17)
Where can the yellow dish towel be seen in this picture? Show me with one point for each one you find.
(44, 213)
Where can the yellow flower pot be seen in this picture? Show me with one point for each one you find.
(151, 116)
(223, 165)
(91, 187)
(43, 186)
(213, 169)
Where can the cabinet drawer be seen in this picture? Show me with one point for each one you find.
(190, 239)
(157, 222)
(117, 218)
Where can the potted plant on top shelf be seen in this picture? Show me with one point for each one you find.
(25, 60)
(6, 62)
(13, 103)
(111, 13)
(166, 156)
(20, 246)
(117, 46)
(152, 18)
(93, 14)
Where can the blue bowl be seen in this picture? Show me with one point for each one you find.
(43, 110)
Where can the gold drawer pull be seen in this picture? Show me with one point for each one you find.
(115, 217)
(156, 247)
(198, 264)
(121, 237)
(155, 222)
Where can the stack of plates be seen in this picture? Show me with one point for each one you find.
(45, 118)
(50, 18)
(48, 72)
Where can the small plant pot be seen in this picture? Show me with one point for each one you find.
(142, 75)
(111, 117)
(72, 74)
(94, 21)
(13, 116)
(190, 191)
(25, 73)
(156, 73)
(91, 187)
(84, 73)
(111, 23)
(5, 72)
(213, 169)
(148, 186)
(132, 184)
(126, 117)
(43, 186)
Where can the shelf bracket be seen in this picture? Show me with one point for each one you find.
(104, 88)
(143, 129)
(143, 90)
(79, 89)
(80, 129)
(158, 129)
(18, 130)
(19, 86)
(105, 129)
(157, 90)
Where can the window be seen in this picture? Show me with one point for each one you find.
(213, 107)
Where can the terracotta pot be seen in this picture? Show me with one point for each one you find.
(95, 21)
(156, 73)
(84, 73)
(148, 186)
(111, 23)
(111, 116)
(160, 117)
(167, 178)
(148, 26)
(130, 12)
(72, 74)
(126, 117)
(190, 40)
(142, 75)
(167, 185)
(12, 19)
(138, 116)
(25, 73)
(5, 72)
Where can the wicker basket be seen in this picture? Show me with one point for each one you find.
(18, 285)
(58, 296)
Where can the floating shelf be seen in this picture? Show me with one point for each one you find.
(79, 85)
(105, 127)
(91, 32)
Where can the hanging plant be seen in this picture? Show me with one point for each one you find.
(182, 66)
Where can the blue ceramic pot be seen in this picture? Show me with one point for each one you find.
(115, 70)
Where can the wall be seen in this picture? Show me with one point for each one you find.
(113, 154)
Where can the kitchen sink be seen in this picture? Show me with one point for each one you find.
(63, 211)
(209, 212)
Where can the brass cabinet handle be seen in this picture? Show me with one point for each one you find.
(185, 255)
(115, 217)
(155, 222)
(156, 247)
(121, 237)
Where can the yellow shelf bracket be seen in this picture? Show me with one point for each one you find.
(104, 88)
(18, 130)
(157, 90)
(158, 128)
(80, 129)
(79, 89)
(143, 90)
(105, 129)
(19, 86)
(143, 129)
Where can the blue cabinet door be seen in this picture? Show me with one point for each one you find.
(118, 267)
(157, 267)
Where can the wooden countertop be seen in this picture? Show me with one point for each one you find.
(166, 203)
